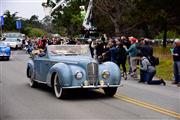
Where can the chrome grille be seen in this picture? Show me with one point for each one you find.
(92, 69)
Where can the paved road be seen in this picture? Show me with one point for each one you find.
(133, 101)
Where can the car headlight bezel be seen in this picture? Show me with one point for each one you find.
(78, 75)
(105, 74)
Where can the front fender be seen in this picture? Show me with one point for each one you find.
(115, 73)
(64, 74)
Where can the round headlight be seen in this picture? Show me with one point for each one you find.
(78, 75)
(3, 50)
(105, 74)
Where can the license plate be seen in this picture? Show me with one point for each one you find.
(2, 54)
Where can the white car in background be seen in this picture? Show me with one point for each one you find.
(13, 40)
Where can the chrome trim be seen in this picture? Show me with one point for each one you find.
(78, 71)
(91, 86)
(92, 70)
(66, 62)
(39, 81)
(69, 62)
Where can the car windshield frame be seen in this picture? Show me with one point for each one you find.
(68, 50)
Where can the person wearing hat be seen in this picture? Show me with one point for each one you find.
(133, 55)
(176, 59)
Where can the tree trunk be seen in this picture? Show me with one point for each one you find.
(165, 33)
(116, 27)
(146, 30)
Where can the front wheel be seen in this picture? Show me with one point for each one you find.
(110, 91)
(58, 90)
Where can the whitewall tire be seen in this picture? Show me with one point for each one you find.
(58, 90)
(32, 83)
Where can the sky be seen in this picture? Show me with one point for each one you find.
(25, 8)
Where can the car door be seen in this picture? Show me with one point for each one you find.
(42, 66)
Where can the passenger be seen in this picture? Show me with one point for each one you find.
(42, 53)
(71, 41)
(44, 42)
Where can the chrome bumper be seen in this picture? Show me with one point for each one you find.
(91, 86)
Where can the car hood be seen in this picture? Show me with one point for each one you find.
(3, 46)
(11, 40)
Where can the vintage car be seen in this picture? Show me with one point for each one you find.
(14, 40)
(72, 66)
(5, 51)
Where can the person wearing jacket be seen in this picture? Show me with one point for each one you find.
(133, 56)
(176, 59)
(121, 57)
(148, 71)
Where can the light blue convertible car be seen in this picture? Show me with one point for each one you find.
(5, 51)
(70, 67)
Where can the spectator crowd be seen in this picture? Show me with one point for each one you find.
(137, 53)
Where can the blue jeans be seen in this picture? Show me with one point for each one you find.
(176, 67)
(143, 76)
(149, 78)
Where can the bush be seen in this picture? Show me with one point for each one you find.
(165, 68)
(170, 34)
(36, 32)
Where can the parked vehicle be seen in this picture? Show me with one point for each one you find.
(5, 51)
(71, 66)
(14, 40)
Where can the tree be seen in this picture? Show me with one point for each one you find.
(47, 24)
(115, 10)
(70, 19)
(10, 21)
(34, 22)
(34, 18)
(162, 14)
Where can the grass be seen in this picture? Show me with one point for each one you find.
(165, 68)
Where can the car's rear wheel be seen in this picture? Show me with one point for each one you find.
(58, 90)
(32, 83)
(110, 91)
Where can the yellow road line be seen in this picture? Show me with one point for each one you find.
(146, 105)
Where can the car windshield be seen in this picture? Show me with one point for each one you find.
(1, 43)
(68, 50)
(13, 35)
(11, 40)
